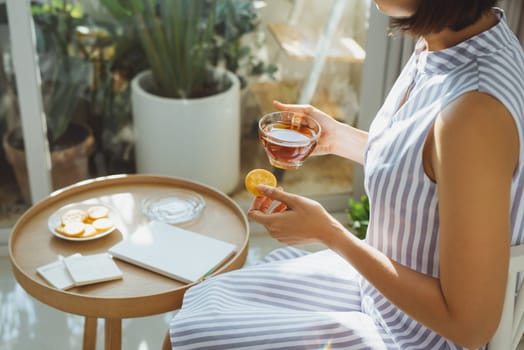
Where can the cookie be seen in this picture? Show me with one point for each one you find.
(102, 225)
(97, 212)
(72, 216)
(89, 231)
(71, 229)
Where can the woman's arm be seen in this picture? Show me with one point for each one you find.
(336, 138)
(474, 156)
(471, 153)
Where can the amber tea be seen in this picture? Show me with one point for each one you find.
(288, 138)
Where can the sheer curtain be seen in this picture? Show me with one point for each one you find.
(385, 56)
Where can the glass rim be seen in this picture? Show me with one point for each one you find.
(302, 116)
(177, 206)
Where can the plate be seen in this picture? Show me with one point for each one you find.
(174, 207)
(56, 218)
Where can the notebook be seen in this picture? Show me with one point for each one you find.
(95, 268)
(172, 251)
(56, 274)
(79, 270)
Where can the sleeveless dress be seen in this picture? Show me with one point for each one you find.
(298, 300)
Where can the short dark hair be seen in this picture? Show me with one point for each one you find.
(432, 16)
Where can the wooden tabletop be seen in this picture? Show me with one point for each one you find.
(140, 292)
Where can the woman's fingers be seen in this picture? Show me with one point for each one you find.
(265, 204)
(273, 201)
(261, 203)
(277, 194)
(306, 109)
(279, 208)
(255, 204)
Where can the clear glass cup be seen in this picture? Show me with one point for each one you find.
(288, 138)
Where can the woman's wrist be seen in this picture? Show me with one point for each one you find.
(349, 142)
(335, 235)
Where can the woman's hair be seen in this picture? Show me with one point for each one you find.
(432, 16)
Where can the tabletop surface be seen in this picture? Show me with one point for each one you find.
(140, 292)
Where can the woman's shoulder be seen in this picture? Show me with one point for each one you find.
(501, 75)
(476, 121)
(474, 108)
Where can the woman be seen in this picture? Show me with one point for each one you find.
(444, 172)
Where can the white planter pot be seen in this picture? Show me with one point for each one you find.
(196, 139)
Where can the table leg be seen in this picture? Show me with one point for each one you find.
(113, 334)
(90, 326)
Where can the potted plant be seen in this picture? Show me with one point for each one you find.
(186, 107)
(358, 214)
(64, 82)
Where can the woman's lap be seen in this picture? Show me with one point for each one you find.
(290, 301)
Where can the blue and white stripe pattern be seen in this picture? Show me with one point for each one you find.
(294, 300)
(404, 222)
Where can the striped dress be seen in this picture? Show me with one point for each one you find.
(298, 300)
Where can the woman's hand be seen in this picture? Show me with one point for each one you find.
(290, 218)
(335, 137)
(328, 125)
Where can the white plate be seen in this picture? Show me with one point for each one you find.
(55, 220)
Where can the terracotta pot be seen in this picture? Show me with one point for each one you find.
(69, 165)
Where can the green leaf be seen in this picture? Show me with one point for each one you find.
(358, 212)
(184, 39)
(119, 9)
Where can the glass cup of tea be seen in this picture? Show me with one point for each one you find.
(288, 138)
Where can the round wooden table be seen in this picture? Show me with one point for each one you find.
(141, 292)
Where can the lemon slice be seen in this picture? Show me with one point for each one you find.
(71, 229)
(97, 212)
(259, 177)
